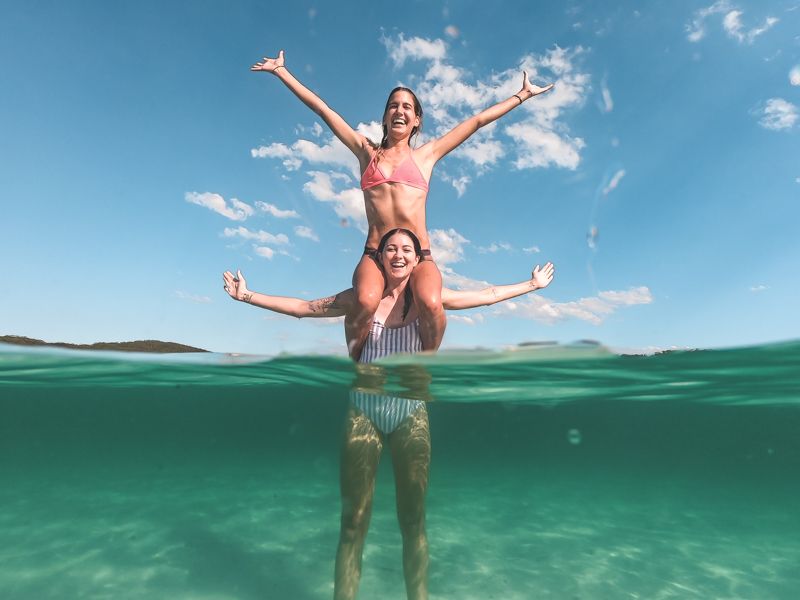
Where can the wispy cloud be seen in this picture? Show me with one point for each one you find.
(264, 251)
(541, 138)
(447, 246)
(531, 250)
(260, 236)
(759, 288)
(468, 319)
(594, 309)
(777, 114)
(696, 29)
(306, 232)
(608, 102)
(348, 202)
(235, 210)
(401, 49)
(612, 185)
(192, 297)
(276, 212)
(494, 247)
(794, 75)
(731, 23)
(452, 31)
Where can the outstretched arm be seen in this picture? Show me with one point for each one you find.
(332, 306)
(356, 142)
(458, 300)
(461, 132)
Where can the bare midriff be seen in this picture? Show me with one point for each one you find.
(392, 205)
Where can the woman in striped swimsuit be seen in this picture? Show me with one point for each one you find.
(377, 418)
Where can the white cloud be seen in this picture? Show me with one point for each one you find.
(192, 297)
(732, 23)
(481, 153)
(347, 203)
(459, 183)
(638, 295)
(696, 29)
(447, 246)
(494, 247)
(469, 320)
(452, 31)
(236, 210)
(276, 212)
(457, 281)
(758, 288)
(608, 102)
(542, 148)
(290, 161)
(777, 114)
(449, 98)
(612, 185)
(306, 232)
(532, 250)
(261, 236)
(333, 153)
(594, 309)
(401, 49)
(794, 75)
(264, 251)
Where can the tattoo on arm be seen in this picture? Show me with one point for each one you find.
(323, 304)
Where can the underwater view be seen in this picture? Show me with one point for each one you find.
(564, 472)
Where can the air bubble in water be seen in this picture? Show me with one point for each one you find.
(574, 436)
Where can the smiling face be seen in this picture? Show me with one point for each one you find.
(401, 118)
(399, 257)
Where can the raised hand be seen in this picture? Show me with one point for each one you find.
(235, 285)
(269, 64)
(532, 88)
(541, 278)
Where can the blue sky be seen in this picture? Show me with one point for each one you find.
(140, 158)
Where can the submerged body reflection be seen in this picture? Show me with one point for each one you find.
(375, 418)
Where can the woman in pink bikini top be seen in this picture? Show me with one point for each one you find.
(395, 179)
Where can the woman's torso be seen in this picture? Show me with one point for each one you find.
(392, 204)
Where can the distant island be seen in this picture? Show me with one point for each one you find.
(154, 346)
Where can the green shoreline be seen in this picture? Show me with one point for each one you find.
(154, 346)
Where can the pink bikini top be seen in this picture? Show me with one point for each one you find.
(406, 172)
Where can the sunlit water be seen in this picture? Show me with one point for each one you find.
(557, 472)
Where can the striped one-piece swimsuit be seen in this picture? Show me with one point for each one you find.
(387, 412)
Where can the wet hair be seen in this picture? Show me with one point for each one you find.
(417, 111)
(408, 295)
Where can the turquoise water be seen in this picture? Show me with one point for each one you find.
(557, 472)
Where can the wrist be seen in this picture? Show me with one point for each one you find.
(246, 296)
(275, 70)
